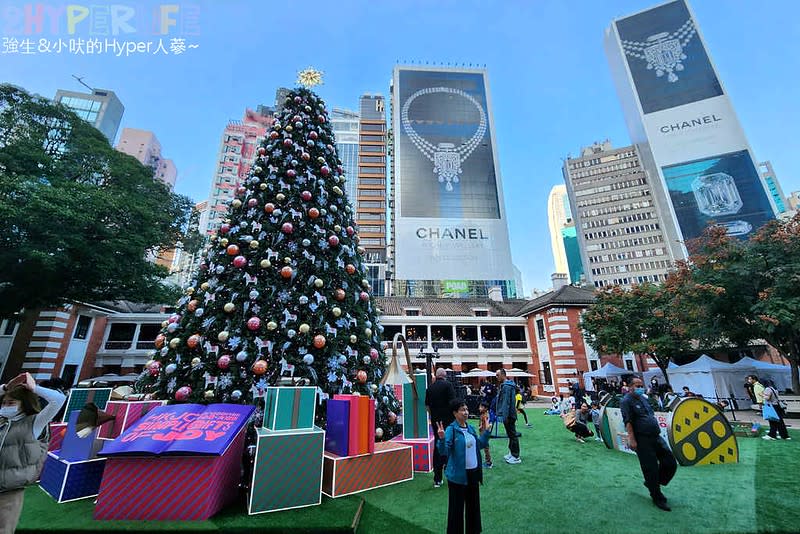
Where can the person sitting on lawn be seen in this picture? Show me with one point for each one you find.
(555, 409)
(581, 426)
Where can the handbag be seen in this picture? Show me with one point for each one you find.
(769, 413)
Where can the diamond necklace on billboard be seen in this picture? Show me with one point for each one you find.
(446, 157)
(663, 51)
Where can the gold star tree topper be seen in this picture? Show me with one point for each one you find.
(309, 77)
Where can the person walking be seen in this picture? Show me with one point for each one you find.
(22, 422)
(519, 406)
(776, 426)
(758, 389)
(461, 445)
(438, 398)
(656, 460)
(507, 413)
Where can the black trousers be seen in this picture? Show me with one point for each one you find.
(778, 427)
(657, 463)
(464, 505)
(581, 430)
(513, 439)
(524, 415)
(439, 461)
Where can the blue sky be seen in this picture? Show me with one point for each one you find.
(551, 88)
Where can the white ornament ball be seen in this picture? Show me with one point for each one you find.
(318, 283)
(303, 299)
(171, 368)
(236, 395)
(368, 332)
(366, 360)
(291, 333)
(253, 294)
(304, 328)
(241, 356)
(353, 339)
(379, 433)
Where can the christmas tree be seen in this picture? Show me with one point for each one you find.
(280, 295)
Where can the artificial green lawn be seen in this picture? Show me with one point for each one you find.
(561, 486)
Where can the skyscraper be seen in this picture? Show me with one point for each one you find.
(617, 221)
(773, 186)
(237, 152)
(144, 146)
(680, 117)
(449, 230)
(345, 128)
(101, 108)
(558, 216)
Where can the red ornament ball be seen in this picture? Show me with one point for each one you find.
(287, 228)
(350, 230)
(160, 339)
(253, 323)
(361, 376)
(340, 169)
(252, 203)
(324, 170)
(313, 213)
(313, 135)
(225, 228)
(262, 150)
(350, 268)
(333, 241)
(306, 156)
(338, 294)
(155, 367)
(297, 118)
(192, 306)
(260, 367)
(193, 341)
(239, 261)
(306, 195)
(241, 190)
(273, 135)
(183, 393)
(321, 119)
(232, 250)
(319, 341)
(291, 173)
(224, 362)
(287, 143)
(269, 207)
(364, 296)
(286, 272)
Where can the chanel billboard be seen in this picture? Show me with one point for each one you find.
(448, 201)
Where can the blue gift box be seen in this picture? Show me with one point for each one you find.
(338, 428)
(66, 480)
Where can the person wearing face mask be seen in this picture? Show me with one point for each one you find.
(644, 436)
(22, 422)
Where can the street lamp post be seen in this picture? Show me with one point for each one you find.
(428, 357)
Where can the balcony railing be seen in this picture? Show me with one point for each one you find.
(145, 345)
(467, 344)
(118, 345)
(443, 344)
(417, 344)
(517, 344)
(492, 344)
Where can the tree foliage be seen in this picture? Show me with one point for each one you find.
(77, 216)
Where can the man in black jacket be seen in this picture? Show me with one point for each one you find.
(437, 399)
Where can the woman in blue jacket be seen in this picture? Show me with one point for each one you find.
(461, 444)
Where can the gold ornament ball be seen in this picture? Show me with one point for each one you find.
(337, 190)
(368, 332)
(164, 324)
(149, 364)
(224, 241)
(254, 244)
(204, 286)
(229, 307)
(209, 394)
(236, 203)
(272, 325)
(265, 263)
(280, 197)
(318, 283)
(195, 361)
(223, 336)
(336, 312)
(287, 260)
(365, 282)
(320, 160)
(353, 338)
(289, 128)
(304, 328)
(337, 228)
(263, 186)
(174, 342)
(189, 290)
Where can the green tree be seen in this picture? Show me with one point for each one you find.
(282, 288)
(645, 320)
(78, 217)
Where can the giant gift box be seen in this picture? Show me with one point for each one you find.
(57, 431)
(73, 472)
(389, 464)
(361, 425)
(287, 471)
(337, 431)
(80, 397)
(423, 452)
(415, 413)
(290, 408)
(125, 414)
(179, 462)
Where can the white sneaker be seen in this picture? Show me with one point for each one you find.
(513, 460)
(768, 438)
(507, 457)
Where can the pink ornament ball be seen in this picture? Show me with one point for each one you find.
(350, 230)
(241, 190)
(313, 135)
(252, 203)
(364, 296)
(297, 100)
(174, 318)
(183, 393)
(361, 376)
(239, 261)
(253, 323)
(224, 362)
(273, 135)
(287, 143)
(287, 228)
(225, 228)
(291, 173)
(373, 353)
(324, 170)
(333, 241)
(155, 367)
(306, 195)
(262, 150)
(321, 119)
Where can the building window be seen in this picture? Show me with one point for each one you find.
(412, 313)
(545, 376)
(82, 328)
(480, 313)
(629, 365)
(9, 325)
(68, 374)
(593, 365)
(540, 329)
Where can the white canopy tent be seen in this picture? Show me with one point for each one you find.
(477, 373)
(780, 374)
(711, 378)
(649, 374)
(608, 370)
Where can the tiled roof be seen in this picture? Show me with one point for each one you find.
(564, 296)
(126, 306)
(449, 307)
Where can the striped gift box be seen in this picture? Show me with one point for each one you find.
(415, 414)
(389, 464)
(79, 397)
(423, 452)
(57, 431)
(287, 471)
(290, 408)
(182, 488)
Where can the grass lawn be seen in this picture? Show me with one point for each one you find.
(561, 486)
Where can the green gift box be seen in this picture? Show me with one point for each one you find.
(290, 408)
(415, 415)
